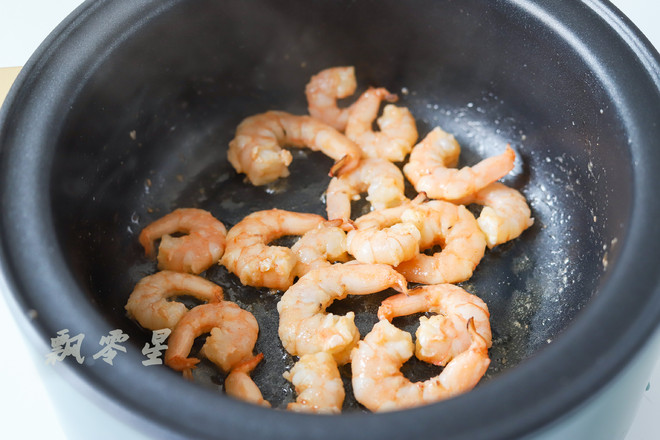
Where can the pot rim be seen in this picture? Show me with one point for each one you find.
(576, 358)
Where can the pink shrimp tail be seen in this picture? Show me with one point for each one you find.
(401, 286)
(391, 97)
(498, 166)
(344, 165)
(405, 303)
(147, 243)
(249, 364)
(180, 363)
(420, 198)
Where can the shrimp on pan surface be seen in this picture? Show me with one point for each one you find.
(323, 90)
(318, 384)
(249, 256)
(455, 229)
(380, 178)
(505, 214)
(149, 302)
(256, 149)
(240, 385)
(195, 252)
(398, 132)
(321, 246)
(444, 335)
(306, 328)
(429, 168)
(379, 385)
(233, 333)
(384, 237)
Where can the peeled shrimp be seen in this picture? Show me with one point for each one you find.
(306, 328)
(233, 331)
(505, 214)
(318, 384)
(382, 237)
(324, 89)
(240, 385)
(148, 303)
(380, 178)
(248, 255)
(321, 246)
(429, 168)
(455, 229)
(398, 132)
(445, 335)
(195, 252)
(256, 148)
(379, 385)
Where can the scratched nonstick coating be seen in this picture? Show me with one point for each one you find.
(148, 133)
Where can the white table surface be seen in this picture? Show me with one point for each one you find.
(23, 397)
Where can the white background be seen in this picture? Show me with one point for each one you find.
(25, 407)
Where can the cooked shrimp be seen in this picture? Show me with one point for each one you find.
(455, 229)
(306, 328)
(505, 214)
(398, 132)
(318, 384)
(444, 336)
(256, 148)
(324, 89)
(391, 245)
(382, 237)
(148, 303)
(233, 333)
(195, 252)
(248, 255)
(380, 178)
(240, 385)
(321, 246)
(379, 385)
(429, 168)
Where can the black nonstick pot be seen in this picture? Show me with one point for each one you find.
(125, 113)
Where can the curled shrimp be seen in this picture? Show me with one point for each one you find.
(398, 132)
(318, 384)
(383, 237)
(193, 253)
(249, 256)
(305, 327)
(321, 246)
(379, 385)
(256, 149)
(148, 303)
(323, 90)
(233, 333)
(240, 385)
(380, 178)
(505, 214)
(428, 168)
(445, 335)
(455, 229)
